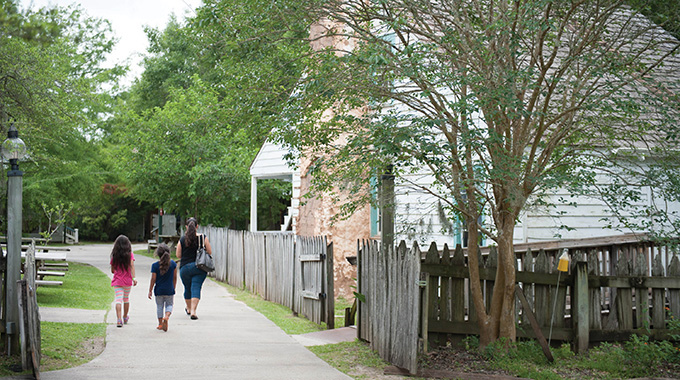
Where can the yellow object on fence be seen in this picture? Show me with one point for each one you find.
(563, 265)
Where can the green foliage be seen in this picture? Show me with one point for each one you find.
(194, 121)
(673, 325)
(56, 217)
(186, 157)
(110, 213)
(52, 87)
(637, 357)
(642, 355)
(605, 358)
(273, 197)
(170, 64)
(663, 13)
(471, 343)
(497, 104)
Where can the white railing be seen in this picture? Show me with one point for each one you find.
(70, 235)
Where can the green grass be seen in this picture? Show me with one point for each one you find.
(340, 305)
(279, 314)
(145, 252)
(84, 287)
(347, 356)
(66, 345)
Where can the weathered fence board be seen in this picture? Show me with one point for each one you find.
(29, 316)
(626, 291)
(389, 316)
(236, 275)
(217, 238)
(613, 288)
(269, 264)
(280, 268)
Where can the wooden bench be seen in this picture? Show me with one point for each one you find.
(48, 283)
(53, 266)
(42, 256)
(58, 265)
(43, 273)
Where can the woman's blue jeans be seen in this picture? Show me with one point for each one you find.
(192, 278)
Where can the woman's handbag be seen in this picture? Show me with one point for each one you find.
(204, 260)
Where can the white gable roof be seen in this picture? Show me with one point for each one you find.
(270, 162)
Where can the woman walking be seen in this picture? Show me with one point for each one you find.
(192, 277)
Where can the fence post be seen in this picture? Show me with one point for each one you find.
(582, 307)
(361, 246)
(330, 287)
(424, 284)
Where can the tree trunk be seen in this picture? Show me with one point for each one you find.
(499, 320)
(488, 328)
(506, 265)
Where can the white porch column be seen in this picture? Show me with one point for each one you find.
(253, 204)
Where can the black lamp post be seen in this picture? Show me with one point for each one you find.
(13, 149)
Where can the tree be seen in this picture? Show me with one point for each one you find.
(52, 86)
(500, 101)
(170, 63)
(210, 88)
(664, 13)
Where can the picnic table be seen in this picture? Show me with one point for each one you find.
(25, 239)
(49, 261)
(170, 240)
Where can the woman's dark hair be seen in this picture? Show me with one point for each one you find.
(120, 254)
(191, 232)
(163, 253)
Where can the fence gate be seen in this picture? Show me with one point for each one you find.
(315, 282)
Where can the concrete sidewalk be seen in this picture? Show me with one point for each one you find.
(228, 341)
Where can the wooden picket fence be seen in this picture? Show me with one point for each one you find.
(29, 316)
(389, 314)
(615, 287)
(291, 270)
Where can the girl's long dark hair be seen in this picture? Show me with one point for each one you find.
(163, 253)
(120, 254)
(192, 240)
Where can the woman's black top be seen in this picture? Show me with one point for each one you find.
(188, 252)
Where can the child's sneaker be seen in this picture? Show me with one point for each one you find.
(126, 319)
(119, 324)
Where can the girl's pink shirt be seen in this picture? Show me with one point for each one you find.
(122, 277)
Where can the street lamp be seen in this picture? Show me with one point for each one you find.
(13, 149)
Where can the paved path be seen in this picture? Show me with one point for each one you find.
(228, 341)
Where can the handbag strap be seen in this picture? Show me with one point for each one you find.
(200, 239)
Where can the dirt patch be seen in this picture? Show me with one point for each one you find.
(361, 372)
(92, 348)
(446, 363)
(87, 351)
(457, 360)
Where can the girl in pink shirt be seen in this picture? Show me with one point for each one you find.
(123, 269)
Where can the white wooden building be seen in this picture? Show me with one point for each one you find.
(270, 164)
(420, 216)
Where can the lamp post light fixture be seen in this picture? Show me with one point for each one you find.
(13, 149)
